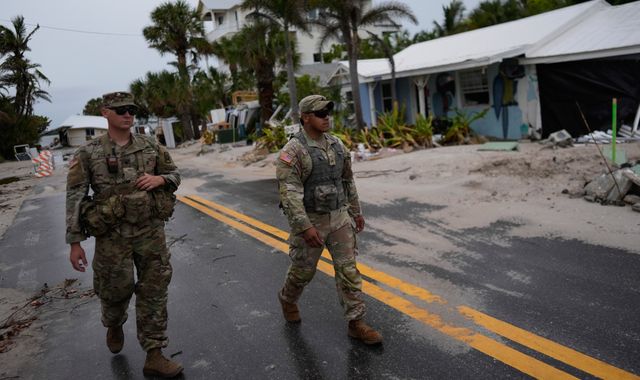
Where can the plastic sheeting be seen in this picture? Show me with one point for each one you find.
(592, 84)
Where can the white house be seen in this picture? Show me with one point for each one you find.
(497, 67)
(76, 130)
(223, 18)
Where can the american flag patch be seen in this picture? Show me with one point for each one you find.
(286, 158)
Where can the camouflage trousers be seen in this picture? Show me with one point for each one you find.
(340, 241)
(114, 283)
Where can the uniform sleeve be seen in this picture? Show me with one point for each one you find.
(167, 169)
(350, 186)
(78, 180)
(290, 185)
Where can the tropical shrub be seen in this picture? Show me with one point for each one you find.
(349, 136)
(460, 129)
(423, 131)
(273, 138)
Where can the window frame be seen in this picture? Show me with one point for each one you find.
(468, 87)
(387, 101)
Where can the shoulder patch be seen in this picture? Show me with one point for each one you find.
(286, 158)
(73, 162)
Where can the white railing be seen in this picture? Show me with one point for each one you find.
(222, 31)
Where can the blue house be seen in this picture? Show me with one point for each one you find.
(497, 67)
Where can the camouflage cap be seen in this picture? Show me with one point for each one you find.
(117, 99)
(315, 103)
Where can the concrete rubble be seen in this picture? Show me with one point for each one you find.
(621, 187)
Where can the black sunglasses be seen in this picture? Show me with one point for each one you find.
(124, 109)
(321, 114)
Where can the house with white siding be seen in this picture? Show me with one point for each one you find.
(76, 130)
(224, 18)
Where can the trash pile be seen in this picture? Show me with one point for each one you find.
(564, 139)
(624, 134)
(620, 187)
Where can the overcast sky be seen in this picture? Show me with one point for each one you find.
(85, 65)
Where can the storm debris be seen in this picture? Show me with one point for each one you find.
(23, 316)
(619, 187)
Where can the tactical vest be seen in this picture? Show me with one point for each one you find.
(116, 198)
(323, 189)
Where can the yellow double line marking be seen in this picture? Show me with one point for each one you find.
(482, 343)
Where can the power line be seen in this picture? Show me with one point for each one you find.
(78, 30)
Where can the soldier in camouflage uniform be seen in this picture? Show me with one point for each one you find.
(133, 180)
(318, 195)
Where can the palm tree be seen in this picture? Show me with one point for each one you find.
(287, 14)
(210, 90)
(492, 12)
(230, 53)
(453, 19)
(157, 93)
(262, 42)
(341, 19)
(177, 29)
(387, 49)
(93, 107)
(17, 71)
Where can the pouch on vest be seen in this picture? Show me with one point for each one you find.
(90, 218)
(326, 198)
(110, 209)
(137, 207)
(164, 204)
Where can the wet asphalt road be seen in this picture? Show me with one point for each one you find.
(225, 322)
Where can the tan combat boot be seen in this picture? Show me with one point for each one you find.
(157, 365)
(360, 330)
(290, 311)
(115, 339)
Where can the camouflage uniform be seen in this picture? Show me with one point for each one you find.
(335, 226)
(135, 234)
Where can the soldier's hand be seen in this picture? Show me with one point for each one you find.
(149, 182)
(77, 257)
(312, 237)
(359, 223)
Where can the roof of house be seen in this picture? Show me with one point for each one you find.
(482, 46)
(83, 121)
(218, 5)
(612, 31)
(322, 71)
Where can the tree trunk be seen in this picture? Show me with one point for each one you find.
(185, 120)
(265, 77)
(233, 69)
(394, 95)
(196, 120)
(291, 79)
(185, 113)
(352, 45)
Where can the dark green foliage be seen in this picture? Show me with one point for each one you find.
(21, 78)
(93, 107)
(17, 71)
(18, 129)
